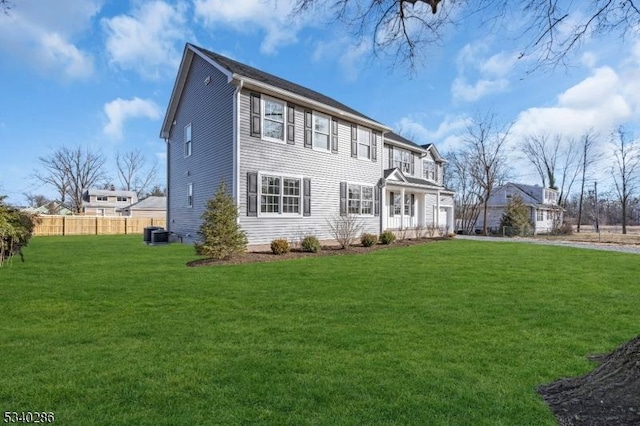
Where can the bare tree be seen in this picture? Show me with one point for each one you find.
(6, 6)
(485, 146)
(36, 200)
(542, 151)
(133, 173)
(550, 29)
(70, 171)
(586, 160)
(625, 170)
(468, 192)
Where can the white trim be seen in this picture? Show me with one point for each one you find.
(373, 198)
(236, 146)
(264, 98)
(189, 141)
(315, 114)
(358, 127)
(282, 177)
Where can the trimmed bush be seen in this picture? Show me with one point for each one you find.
(310, 244)
(387, 237)
(280, 246)
(368, 240)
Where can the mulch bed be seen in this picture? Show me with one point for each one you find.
(609, 395)
(268, 256)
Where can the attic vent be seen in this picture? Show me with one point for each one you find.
(207, 80)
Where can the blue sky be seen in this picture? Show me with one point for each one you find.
(99, 74)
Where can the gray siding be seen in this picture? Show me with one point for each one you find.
(209, 109)
(326, 171)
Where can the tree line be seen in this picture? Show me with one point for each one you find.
(571, 166)
(70, 171)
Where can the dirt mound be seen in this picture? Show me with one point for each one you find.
(608, 395)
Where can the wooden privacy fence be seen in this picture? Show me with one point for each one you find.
(94, 225)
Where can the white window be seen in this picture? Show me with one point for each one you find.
(273, 119)
(280, 195)
(403, 160)
(360, 199)
(122, 199)
(397, 204)
(102, 198)
(187, 140)
(429, 170)
(190, 195)
(321, 132)
(540, 215)
(408, 205)
(364, 143)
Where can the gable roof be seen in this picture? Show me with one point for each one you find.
(152, 202)
(118, 193)
(251, 77)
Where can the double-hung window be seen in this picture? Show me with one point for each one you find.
(397, 204)
(280, 195)
(122, 199)
(364, 143)
(187, 140)
(273, 119)
(540, 215)
(321, 132)
(190, 195)
(102, 198)
(360, 199)
(408, 205)
(403, 160)
(429, 170)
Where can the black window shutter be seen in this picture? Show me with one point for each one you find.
(374, 146)
(376, 201)
(354, 140)
(306, 202)
(252, 194)
(308, 123)
(334, 135)
(343, 198)
(392, 201)
(291, 124)
(255, 115)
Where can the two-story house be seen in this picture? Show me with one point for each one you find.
(544, 212)
(106, 202)
(293, 159)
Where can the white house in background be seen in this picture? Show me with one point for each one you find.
(106, 202)
(293, 159)
(544, 211)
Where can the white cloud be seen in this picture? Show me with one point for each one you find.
(601, 101)
(248, 15)
(488, 74)
(149, 41)
(120, 110)
(43, 37)
(350, 56)
(446, 136)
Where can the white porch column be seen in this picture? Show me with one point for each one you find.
(402, 210)
(384, 212)
(437, 215)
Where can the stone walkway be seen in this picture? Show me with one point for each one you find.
(624, 248)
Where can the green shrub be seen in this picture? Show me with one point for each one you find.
(221, 234)
(280, 246)
(16, 229)
(368, 240)
(387, 237)
(310, 244)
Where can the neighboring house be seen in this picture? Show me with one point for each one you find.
(544, 212)
(50, 208)
(293, 159)
(105, 202)
(151, 206)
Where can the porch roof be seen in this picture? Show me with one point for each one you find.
(410, 181)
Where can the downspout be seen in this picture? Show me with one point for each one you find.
(236, 145)
(166, 214)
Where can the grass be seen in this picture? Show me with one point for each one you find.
(105, 330)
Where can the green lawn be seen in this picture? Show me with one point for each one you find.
(105, 330)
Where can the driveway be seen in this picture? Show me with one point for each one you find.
(624, 248)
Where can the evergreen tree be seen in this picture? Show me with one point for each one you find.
(221, 234)
(515, 219)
